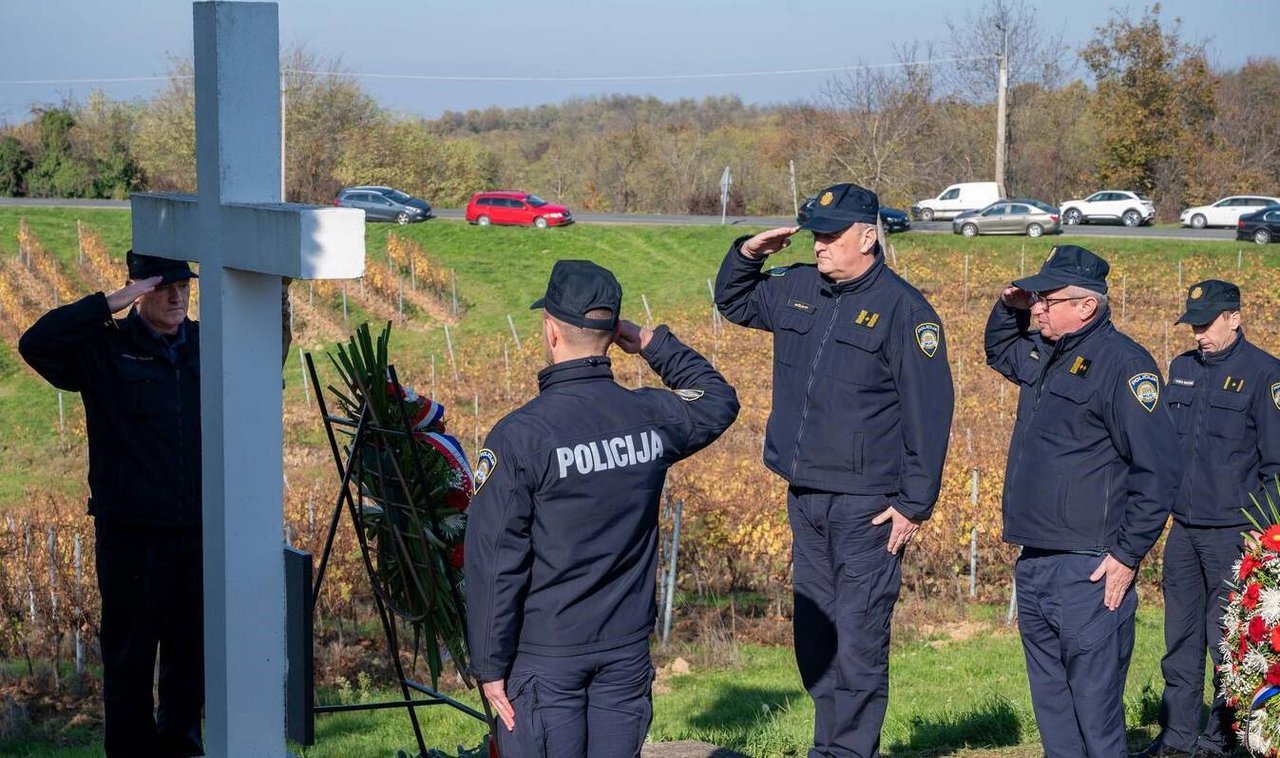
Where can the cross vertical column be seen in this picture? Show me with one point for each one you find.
(237, 65)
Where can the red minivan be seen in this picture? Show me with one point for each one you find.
(503, 207)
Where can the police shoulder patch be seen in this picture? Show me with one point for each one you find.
(486, 462)
(689, 395)
(1146, 389)
(928, 337)
(1275, 395)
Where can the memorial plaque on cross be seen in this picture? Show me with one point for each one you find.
(245, 240)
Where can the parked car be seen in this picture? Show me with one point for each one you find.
(1017, 216)
(956, 199)
(1225, 212)
(504, 207)
(1260, 226)
(892, 219)
(1128, 208)
(384, 204)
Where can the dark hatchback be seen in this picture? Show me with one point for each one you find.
(1260, 226)
(384, 204)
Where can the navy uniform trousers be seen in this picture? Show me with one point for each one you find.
(594, 704)
(152, 597)
(845, 583)
(1077, 653)
(1197, 565)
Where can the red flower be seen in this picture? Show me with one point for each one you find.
(1271, 538)
(1247, 565)
(1275, 638)
(1273, 675)
(455, 556)
(1243, 646)
(1257, 629)
(457, 500)
(1251, 593)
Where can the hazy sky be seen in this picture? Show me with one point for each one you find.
(98, 39)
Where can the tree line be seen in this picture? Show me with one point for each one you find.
(1154, 117)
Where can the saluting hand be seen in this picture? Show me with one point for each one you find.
(496, 693)
(768, 243)
(902, 531)
(128, 294)
(1119, 577)
(631, 337)
(1016, 297)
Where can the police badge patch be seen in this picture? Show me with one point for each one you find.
(486, 462)
(928, 336)
(1275, 395)
(826, 198)
(1146, 388)
(689, 395)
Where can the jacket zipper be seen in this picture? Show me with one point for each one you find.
(813, 371)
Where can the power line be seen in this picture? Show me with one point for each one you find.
(541, 79)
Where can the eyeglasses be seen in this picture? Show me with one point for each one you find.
(1036, 297)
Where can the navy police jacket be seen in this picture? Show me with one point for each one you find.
(1093, 463)
(1226, 407)
(562, 535)
(862, 394)
(141, 403)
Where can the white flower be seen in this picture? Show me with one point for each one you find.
(1269, 606)
(1256, 662)
(1231, 617)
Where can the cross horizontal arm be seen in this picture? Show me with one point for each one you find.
(281, 239)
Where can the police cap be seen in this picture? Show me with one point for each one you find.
(839, 207)
(146, 266)
(1207, 299)
(1068, 265)
(577, 287)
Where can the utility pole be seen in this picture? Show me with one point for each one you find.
(1002, 115)
(284, 124)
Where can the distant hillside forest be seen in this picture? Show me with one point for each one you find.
(1157, 119)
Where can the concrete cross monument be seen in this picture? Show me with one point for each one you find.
(245, 240)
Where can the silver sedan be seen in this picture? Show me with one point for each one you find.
(1030, 217)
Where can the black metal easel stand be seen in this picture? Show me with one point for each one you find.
(354, 505)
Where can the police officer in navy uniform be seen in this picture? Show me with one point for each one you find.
(862, 405)
(1225, 401)
(1093, 468)
(139, 378)
(562, 538)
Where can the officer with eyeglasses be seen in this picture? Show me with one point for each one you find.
(1092, 472)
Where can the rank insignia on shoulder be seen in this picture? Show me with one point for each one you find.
(486, 462)
(1233, 385)
(1034, 354)
(777, 271)
(800, 306)
(689, 395)
(867, 319)
(928, 337)
(1146, 388)
(1080, 366)
(1275, 395)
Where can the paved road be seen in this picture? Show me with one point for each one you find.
(932, 227)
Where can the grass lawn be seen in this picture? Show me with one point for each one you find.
(957, 688)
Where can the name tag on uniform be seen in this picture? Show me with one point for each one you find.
(801, 306)
(1184, 382)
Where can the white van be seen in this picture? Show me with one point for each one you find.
(956, 199)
